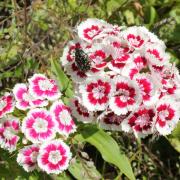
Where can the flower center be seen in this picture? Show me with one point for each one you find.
(2, 104)
(45, 85)
(92, 33)
(65, 117)
(8, 133)
(40, 125)
(124, 95)
(97, 59)
(54, 157)
(98, 92)
(143, 120)
(27, 97)
(163, 114)
(34, 156)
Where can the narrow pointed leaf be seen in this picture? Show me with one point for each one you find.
(63, 81)
(108, 148)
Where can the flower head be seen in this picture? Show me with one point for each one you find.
(27, 157)
(61, 114)
(43, 88)
(9, 128)
(39, 126)
(156, 55)
(69, 52)
(147, 89)
(140, 122)
(80, 112)
(110, 121)
(128, 74)
(135, 36)
(6, 104)
(25, 100)
(167, 115)
(90, 28)
(126, 97)
(54, 157)
(96, 93)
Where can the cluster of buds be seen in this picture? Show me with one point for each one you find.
(34, 121)
(123, 79)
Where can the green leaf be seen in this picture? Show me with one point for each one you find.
(72, 3)
(62, 176)
(129, 17)
(113, 5)
(150, 15)
(175, 13)
(108, 148)
(82, 169)
(176, 131)
(174, 138)
(63, 81)
(175, 38)
(175, 143)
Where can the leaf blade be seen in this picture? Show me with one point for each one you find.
(108, 148)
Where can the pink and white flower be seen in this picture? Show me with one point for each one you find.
(167, 115)
(148, 91)
(54, 157)
(61, 114)
(98, 56)
(90, 28)
(111, 121)
(96, 92)
(39, 126)
(9, 128)
(126, 97)
(135, 36)
(81, 113)
(120, 63)
(130, 74)
(69, 52)
(24, 100)
(109, 30)
(130, 70)
(27, 157)
(156, 55)
(115, 46)
(140, 122)
(140, 61)
(43, 88)
(6, 104)
(75, 73)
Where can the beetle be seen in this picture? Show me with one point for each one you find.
(82, 60)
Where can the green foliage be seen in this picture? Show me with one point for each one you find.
(108, 148)
(32, 38)
(82, 169)
(174, 138)
(65, 83)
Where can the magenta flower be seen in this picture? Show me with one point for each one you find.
(27, 157)
(6, 104)
(39, 126)
(43, 88)
(9, 128)
(61, 114)
(54, 157)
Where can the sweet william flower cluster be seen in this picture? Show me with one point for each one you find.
(123, 79)
(45, 122)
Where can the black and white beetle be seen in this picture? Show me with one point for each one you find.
(82, 60)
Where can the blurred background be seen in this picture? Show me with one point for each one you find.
(34, 31)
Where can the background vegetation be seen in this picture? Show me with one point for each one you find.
(34, 32)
